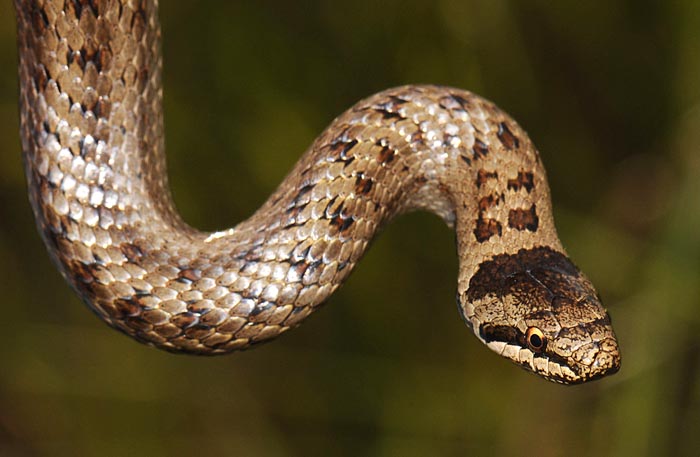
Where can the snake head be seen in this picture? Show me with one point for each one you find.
(537, 309)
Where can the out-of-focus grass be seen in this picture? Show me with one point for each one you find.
(610, 94)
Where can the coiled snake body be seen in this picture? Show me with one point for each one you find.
(92, 135)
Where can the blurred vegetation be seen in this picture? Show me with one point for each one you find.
(610, 93)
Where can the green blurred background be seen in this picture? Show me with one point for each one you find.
(610, 93)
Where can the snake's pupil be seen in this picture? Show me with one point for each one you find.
(535, 341)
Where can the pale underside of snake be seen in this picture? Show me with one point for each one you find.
(92, 136)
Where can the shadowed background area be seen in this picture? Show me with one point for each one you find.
(610, 94)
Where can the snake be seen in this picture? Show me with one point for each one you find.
(92, 138)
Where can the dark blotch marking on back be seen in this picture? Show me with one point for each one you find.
(300, 252)
(185, 320)
(103, 58)
(261, 308)
(362, 184)
(523, 219)
(390, 108)
(189, 275)
(342, 222)
(390, 114)
(463, 102)
(308, 277)
(77, 57)
(480, 149)
(39, 19)
(387, 153)
(139, 324)
(301, 193)
(509, 140)
(490, 201)
(127, 307)
(199, 331)
(103, 108)
(337, 215)
(525, 179)
(299, 267)
(486, 228)
(143, 77)
(338, 151)
(483, 176)
(332, 209)
(255, 253)
(131, 251)
(298, 203)
(417, 137)
(84, 272)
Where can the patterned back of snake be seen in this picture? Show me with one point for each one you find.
(92, 135)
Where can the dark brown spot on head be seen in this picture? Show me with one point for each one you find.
(524, 180)
(523, 219)
(540, 267)
(486, 228)
(509, 140)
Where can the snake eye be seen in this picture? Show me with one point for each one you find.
(536, 340)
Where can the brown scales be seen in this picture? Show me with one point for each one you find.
(92, 137)
(523, 219)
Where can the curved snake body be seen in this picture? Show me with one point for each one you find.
(92, 135)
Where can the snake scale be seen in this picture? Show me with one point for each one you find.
(92, 136)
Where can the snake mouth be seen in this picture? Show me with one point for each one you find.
(602, 359)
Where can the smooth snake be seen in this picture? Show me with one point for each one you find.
(92, 136)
